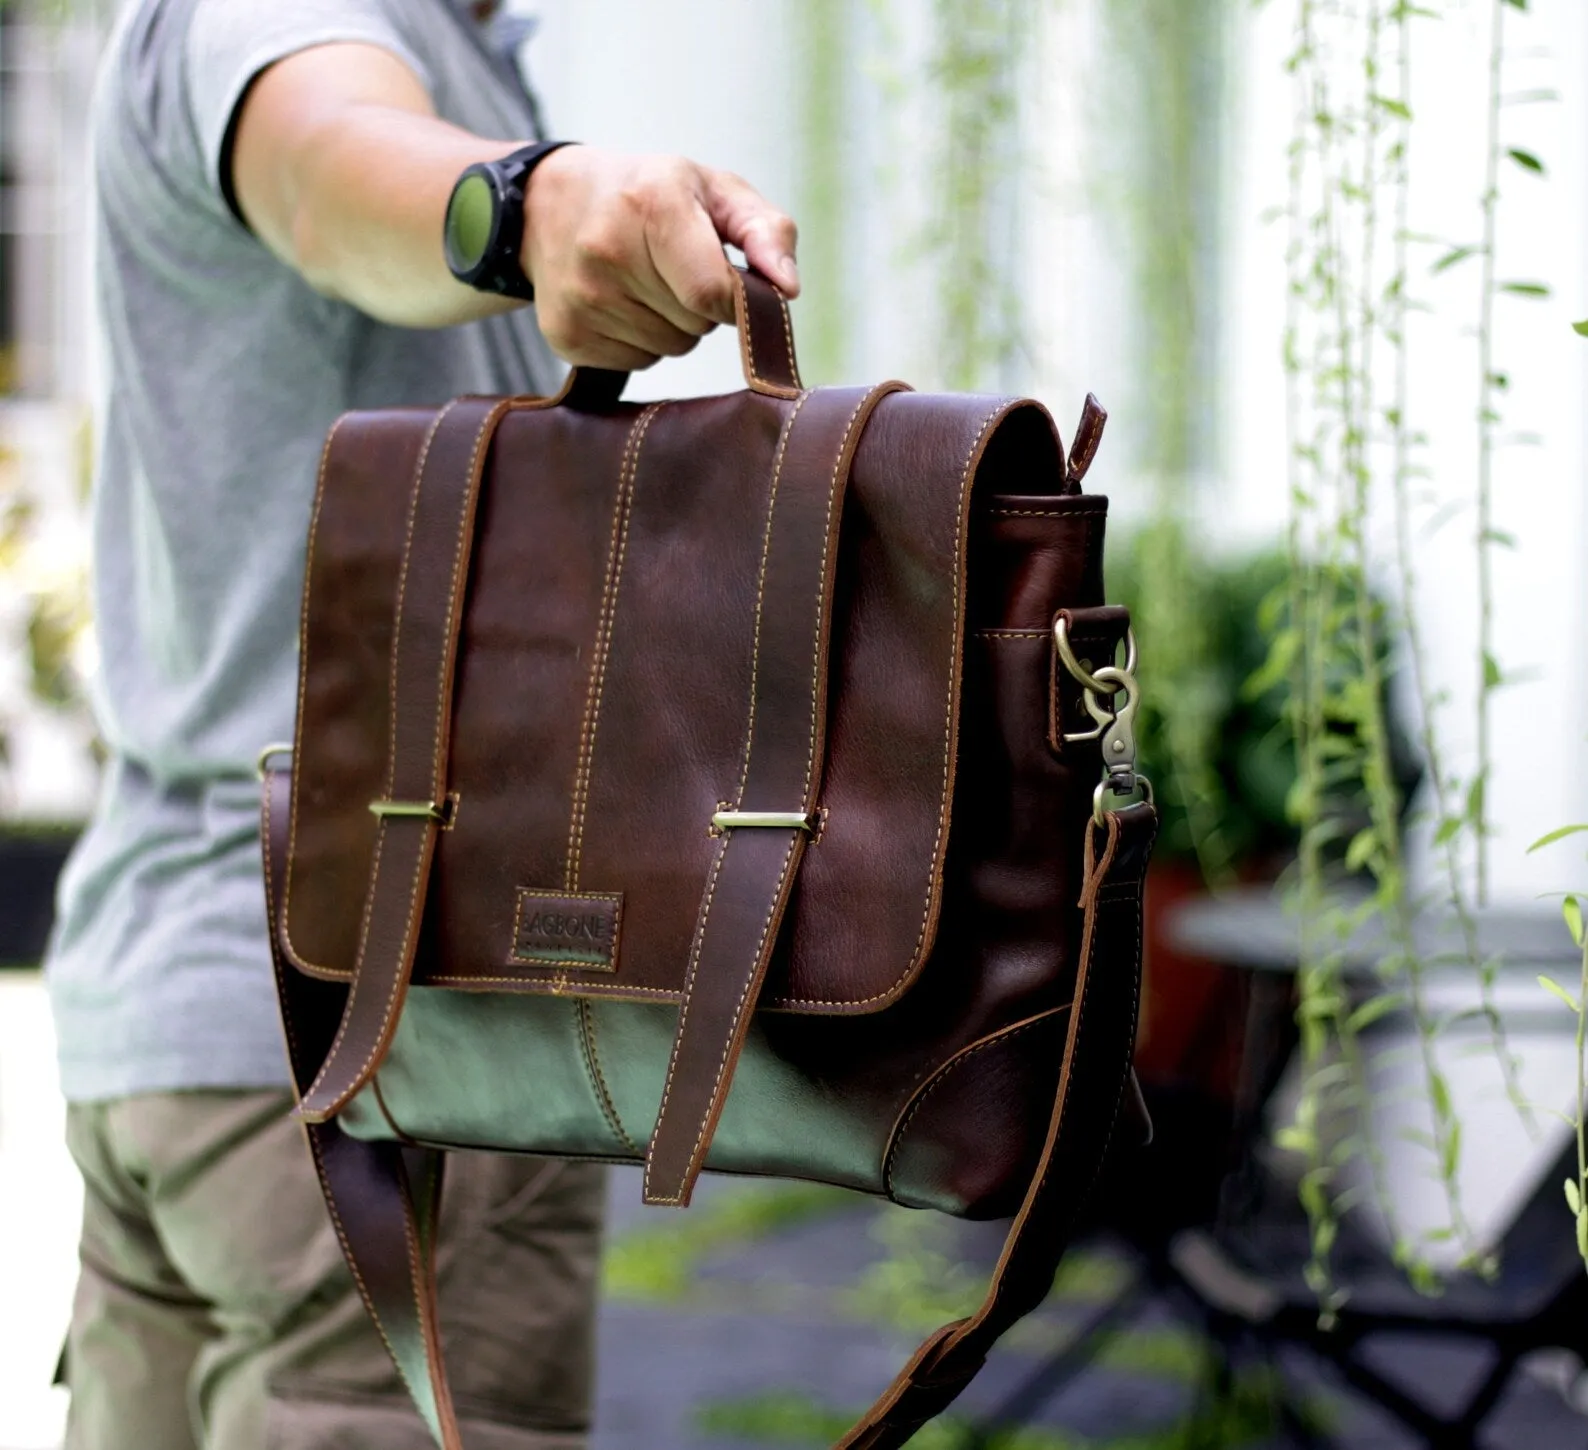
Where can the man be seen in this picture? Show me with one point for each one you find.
(273, 177)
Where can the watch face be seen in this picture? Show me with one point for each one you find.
(471, 216)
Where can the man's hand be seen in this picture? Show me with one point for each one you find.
(343, 170)
(626, 252)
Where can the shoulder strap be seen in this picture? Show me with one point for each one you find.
(1091, 1086)
(386, 1227)
(766, 824)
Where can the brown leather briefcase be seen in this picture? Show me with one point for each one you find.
(742, 783)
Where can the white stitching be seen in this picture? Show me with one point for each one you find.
(727, 1047)
(606, 628)
(943, 1073)
(873, 397)
(747, 349)
(524, 894)
(760, 595)
(683, 1016)
(598, 1078)
(948, 740)
(460, 551)
(788, 338)
(395, 995)
(319, 1166)
(1085, 509)
(402, 589)
(303, 673)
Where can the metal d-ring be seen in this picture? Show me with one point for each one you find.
(262, 764)
(1094, 683)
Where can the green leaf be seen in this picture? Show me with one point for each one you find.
(1374, 1008)
(1525, 289)
(1526, 160)
(1361, 849)
(1449, 829)
(1554, 988)
(1580, 328)
(1517, 4)
(1571, 909)
(1451, 1159)
(1582, 1234)
(1492, 676)
(1454, 255)
(1559, 834)
(1439, 1092)
(1295, 1140)
(1394, 107)
(1573, 1195)
(1475, 801)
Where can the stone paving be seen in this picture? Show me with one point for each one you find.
(775, 1342)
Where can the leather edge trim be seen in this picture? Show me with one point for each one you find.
(927, 935)
(918, 1098)
(284, 935)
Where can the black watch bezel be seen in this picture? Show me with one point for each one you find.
(498, 268)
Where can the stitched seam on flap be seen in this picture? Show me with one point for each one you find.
(460, 552)
(303, 678)
(822, 594)
(395, 994)
(1072, 511)
(760, 595)
(556, 986)
(948, 740)
(946, 1071)
(689, 982)
(622, 513)
(402, 590)
(587, 1036)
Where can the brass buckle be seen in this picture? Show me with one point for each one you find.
(726, 820)
(422, 810)
(1111, 697)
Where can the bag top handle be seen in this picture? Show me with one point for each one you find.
(766, 350)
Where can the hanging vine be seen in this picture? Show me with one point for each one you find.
(1350, 156)
(824, 28)
(978, 47)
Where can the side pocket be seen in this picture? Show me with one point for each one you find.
(968, 1140)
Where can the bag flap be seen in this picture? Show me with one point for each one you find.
(607, 651)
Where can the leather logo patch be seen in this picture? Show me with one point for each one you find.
(577, 929)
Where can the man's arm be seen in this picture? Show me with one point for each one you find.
(343, 169)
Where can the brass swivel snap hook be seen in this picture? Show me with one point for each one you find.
(1111, 698)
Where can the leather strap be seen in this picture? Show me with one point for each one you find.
(385, 1229)
(387, 1232)
(429, 617)
(1096, 1066)
(785, 744)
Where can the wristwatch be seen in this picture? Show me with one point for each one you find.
(485, 222)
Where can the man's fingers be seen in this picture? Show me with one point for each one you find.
(597, 351)
(628, 321)
(741, 215)
(690, 265)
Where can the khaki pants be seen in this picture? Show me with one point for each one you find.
(214, 1310)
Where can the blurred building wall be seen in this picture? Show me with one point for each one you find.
(48, 55)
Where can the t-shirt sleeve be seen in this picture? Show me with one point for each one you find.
(229, 42)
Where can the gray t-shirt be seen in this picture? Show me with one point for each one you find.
(224, 371)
